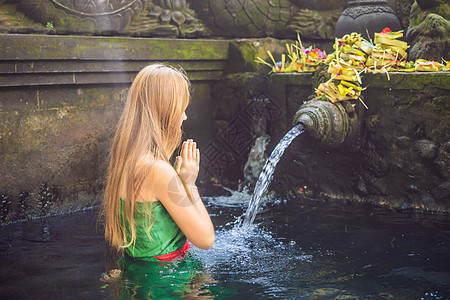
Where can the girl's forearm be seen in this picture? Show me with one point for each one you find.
(196, 200)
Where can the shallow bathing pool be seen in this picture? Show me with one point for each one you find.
(298, 249)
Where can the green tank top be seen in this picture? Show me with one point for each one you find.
(166, 235)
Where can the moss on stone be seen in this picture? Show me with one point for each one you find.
(408, 81)
(63, 47)
(435, 26)
(442, 10)
(429, 32)
(11, 17)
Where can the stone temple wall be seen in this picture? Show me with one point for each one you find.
(401, 158)
(65, 67)
(61, 96)
(60, 99)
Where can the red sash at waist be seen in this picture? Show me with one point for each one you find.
(179, 253)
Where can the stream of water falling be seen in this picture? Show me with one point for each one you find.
(266, 175)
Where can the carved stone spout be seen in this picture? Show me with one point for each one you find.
(333, 124)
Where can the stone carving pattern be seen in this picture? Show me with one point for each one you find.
(231, 146)
(169, 18)
(245, 17)
(364, 10)
(84, 15)
(314, 23)
(86, 7)
(227, 18)
(261, 18)
(367, 17)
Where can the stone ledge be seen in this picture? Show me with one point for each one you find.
(49, 79)
(81, 66)
(396, 80)
(408, 80)
(34, 47)
(38, 60)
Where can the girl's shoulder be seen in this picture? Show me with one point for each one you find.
(164, 170)
(161, 171)
(151, 164)
(158, 178)
(163, 164)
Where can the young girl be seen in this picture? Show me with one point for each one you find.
(150, 206)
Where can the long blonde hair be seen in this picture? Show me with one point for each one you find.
(148, 131)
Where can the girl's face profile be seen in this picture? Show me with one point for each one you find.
(183, 118)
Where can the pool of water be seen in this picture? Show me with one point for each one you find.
(297, 249)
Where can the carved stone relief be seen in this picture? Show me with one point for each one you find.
(314, 19)
(250, 18)
(84, 15)
(261, 18)
(169, 18)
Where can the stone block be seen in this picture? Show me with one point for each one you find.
(18, 99)
(8, 132)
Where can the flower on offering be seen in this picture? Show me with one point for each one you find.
(388, 52)
(301, 59)
(353, 55)
(403, 66)
(310, 58)
(345, 65)
(429, 66)
(339, 90)
(446, 66)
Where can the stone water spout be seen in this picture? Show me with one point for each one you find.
(333, 124)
